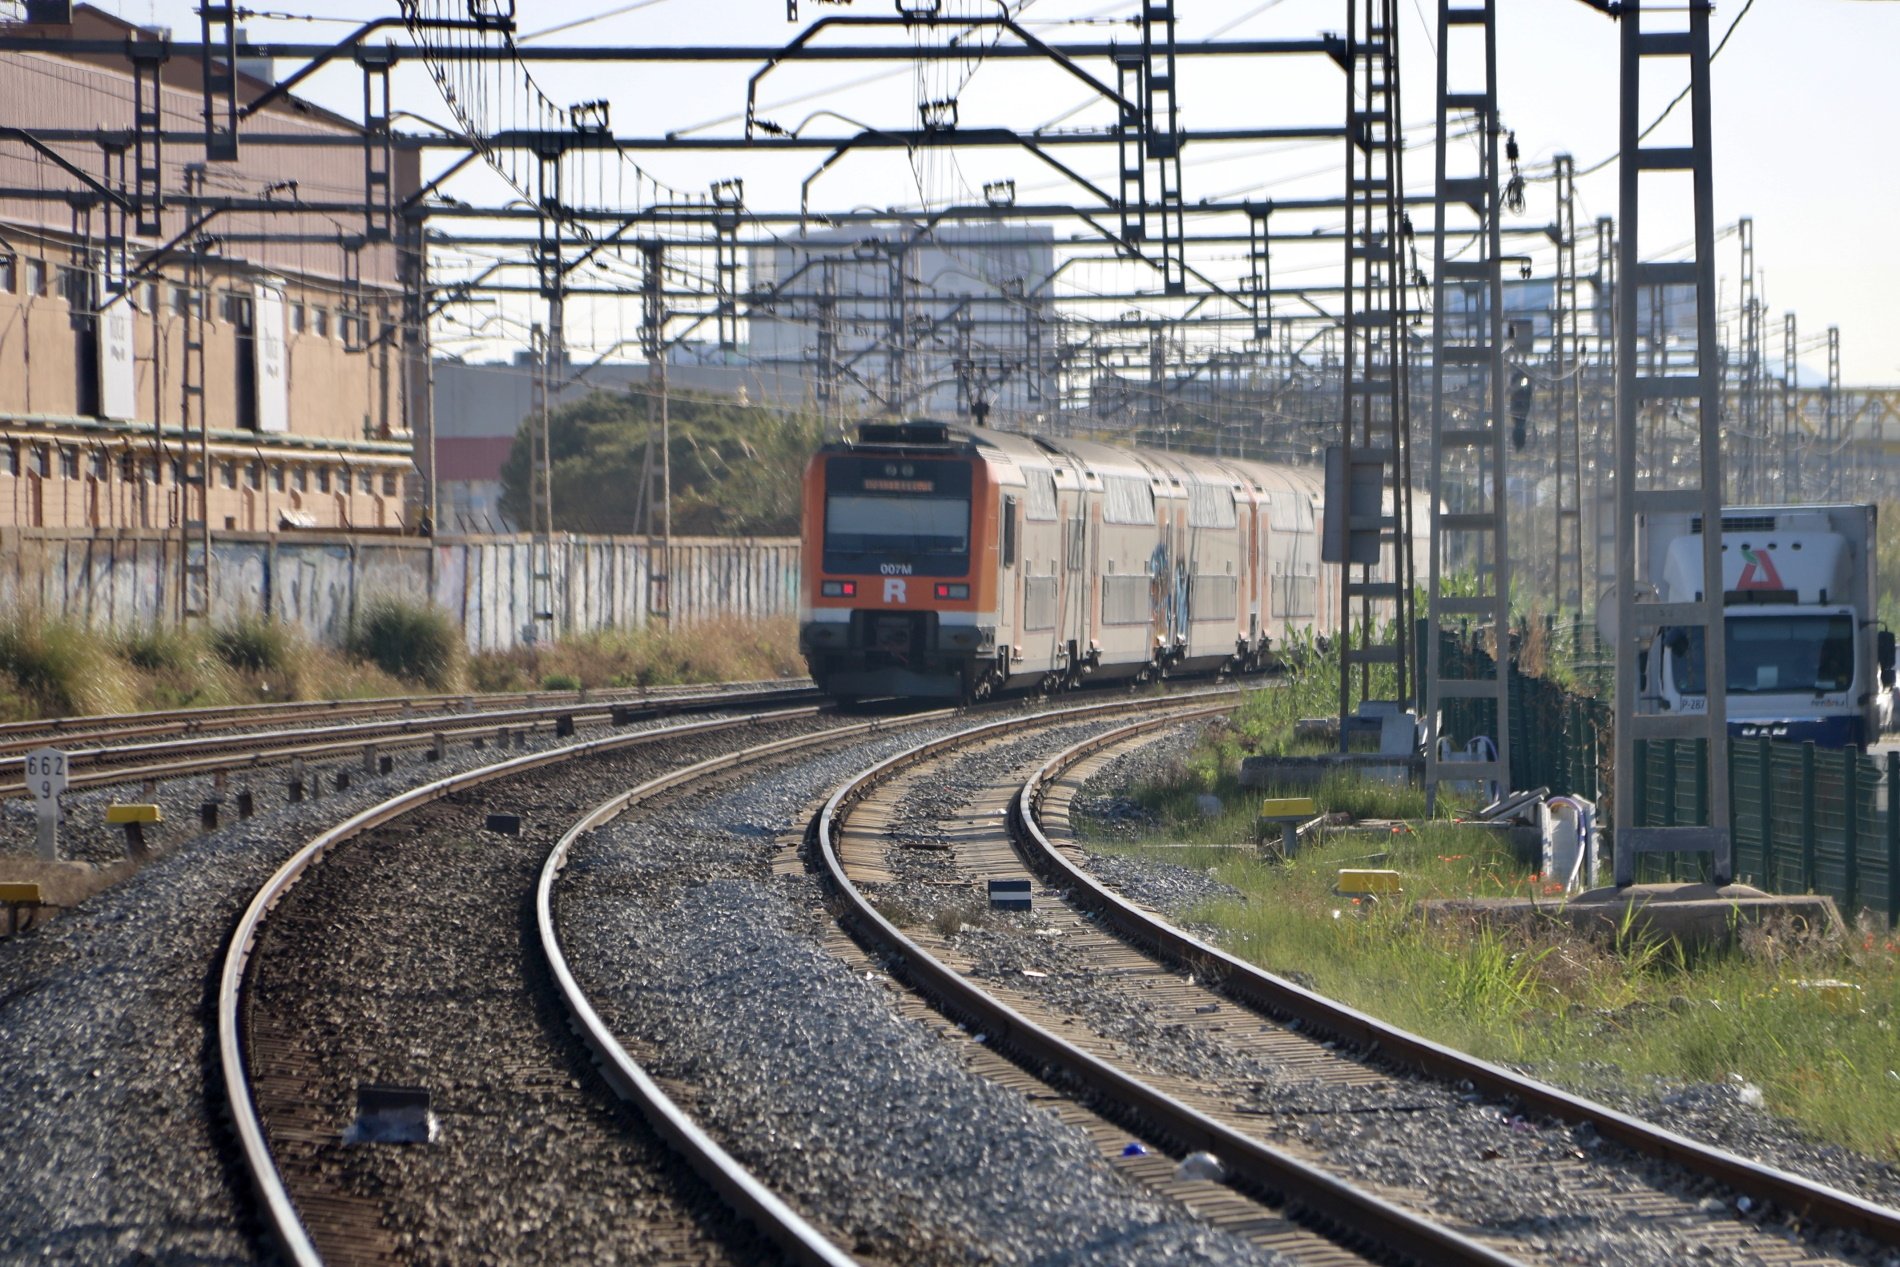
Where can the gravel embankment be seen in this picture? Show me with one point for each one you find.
(713, 969)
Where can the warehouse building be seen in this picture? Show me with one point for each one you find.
(274, 340)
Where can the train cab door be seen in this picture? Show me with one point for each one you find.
(1007, 593)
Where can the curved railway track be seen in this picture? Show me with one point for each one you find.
(1762, 1186)
(274, 1022)
(1287, 1191)
(399, 912)
(1327, 1064)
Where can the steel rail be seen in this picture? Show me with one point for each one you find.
(1350, 1214)
(766, 1211)
(15, 735)
(278, 1211)
(252, 749)
(1257, 988)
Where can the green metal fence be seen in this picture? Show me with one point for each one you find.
(1805, 819)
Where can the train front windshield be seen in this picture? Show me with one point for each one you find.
(899, 515)
(1770, 654)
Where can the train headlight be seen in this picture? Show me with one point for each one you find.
(952, 591)
(839, 589)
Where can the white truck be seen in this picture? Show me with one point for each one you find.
(1806, 657)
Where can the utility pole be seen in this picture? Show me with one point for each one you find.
(1468, 449)
(1753, 447)
(1567, 356)
(1368, 499)
(550, 348)
(1638, 498)
(659, 416)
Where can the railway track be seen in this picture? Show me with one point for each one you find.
(1358, 1138)
(1750, 1186)
(1293, 1193)
(424, 921)
(229, 751)
(97, 729)
(290, 1058)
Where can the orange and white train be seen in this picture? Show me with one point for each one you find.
(949, 563)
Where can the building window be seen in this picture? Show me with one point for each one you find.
(101, 464)
(150, 303)
(389, 485)
(178, 470)
(227, 474)
(320, 322)
(323, 479)
(9, 273)
(296, 318)
(75, 287)
(13, 457)
(366, 483)
(128, 467)
(69, 464)
(236, 309)
(277, 477)
(36, 277)
(300, 479)
(253, 475)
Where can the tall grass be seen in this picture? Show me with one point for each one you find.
(55, 667)
(659, 655)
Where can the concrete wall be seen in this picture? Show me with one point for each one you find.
(316, 581)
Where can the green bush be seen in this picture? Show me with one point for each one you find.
(560, 682)
(412, 641)
(256, 644)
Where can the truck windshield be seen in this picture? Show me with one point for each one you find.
(1771, 654)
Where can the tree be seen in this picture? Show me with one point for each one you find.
(736, 467)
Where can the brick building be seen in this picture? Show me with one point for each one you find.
(277, 336)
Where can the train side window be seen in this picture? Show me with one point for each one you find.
(1009, 532)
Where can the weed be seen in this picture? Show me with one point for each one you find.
(951, 920)
(413, 641)
(560, 682)
(256, 644)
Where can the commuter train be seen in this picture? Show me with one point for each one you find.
(950, 563)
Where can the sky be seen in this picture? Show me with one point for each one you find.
(1806, 124)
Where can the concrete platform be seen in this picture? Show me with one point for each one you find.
(1697, 915)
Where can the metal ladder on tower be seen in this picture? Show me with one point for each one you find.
(1372, 476)
(1635, 499)
(1468, 413)
(194, 452)
(1148, 132)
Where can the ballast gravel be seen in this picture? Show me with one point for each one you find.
(108, 1052)
(713, 969)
